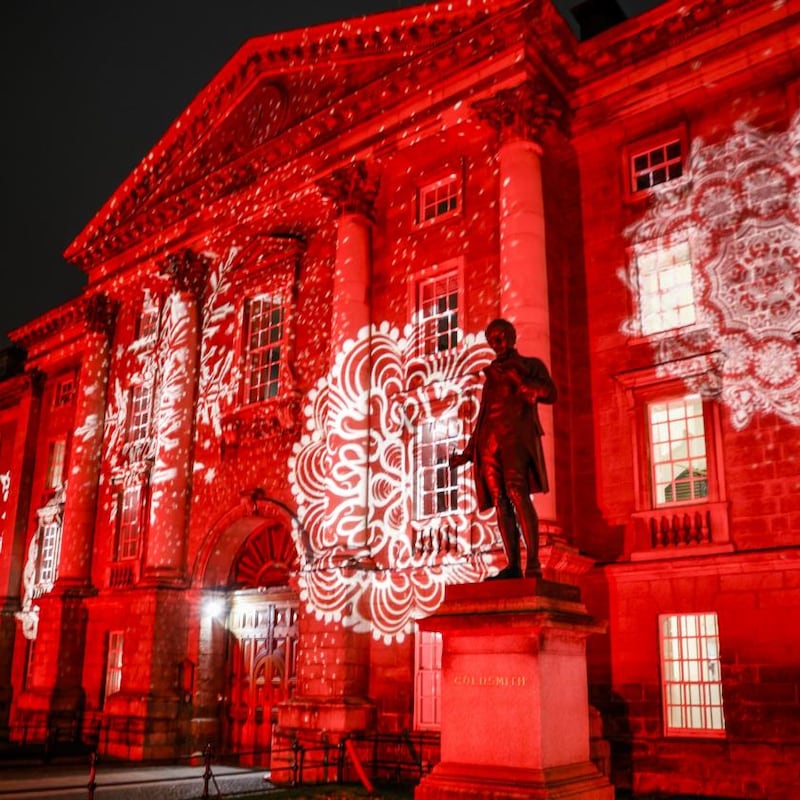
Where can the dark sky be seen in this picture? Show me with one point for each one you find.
(88, 88)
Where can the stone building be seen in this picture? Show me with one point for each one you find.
(225, 493)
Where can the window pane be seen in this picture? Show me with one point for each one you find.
(265, 347)
(114, 663)
(439, 198)
(428, 680)
(436, 483)
(692, 688)
(678, 450)
(141, 406)
(129, 515)
(666, 293)
(437, 312)
(656, 165)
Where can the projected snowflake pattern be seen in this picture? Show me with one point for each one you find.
(367, 570)
(740, 205)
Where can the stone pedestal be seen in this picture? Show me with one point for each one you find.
(515, 708)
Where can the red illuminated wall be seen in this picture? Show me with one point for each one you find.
(303, 502)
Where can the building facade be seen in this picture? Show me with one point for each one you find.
(225, 492)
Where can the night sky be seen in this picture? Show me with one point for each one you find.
(89, 87)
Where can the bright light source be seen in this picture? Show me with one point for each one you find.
(214, 607)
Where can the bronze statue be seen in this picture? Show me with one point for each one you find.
(506, 449)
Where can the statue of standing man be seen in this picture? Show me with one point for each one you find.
(506, 449)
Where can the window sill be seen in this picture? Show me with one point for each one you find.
(694, 529)
(259, 421)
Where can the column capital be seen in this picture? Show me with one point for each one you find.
(352, 188)
(99, 314)
(186, 271)
(521, 112)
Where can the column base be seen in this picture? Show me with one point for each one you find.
(453, 781)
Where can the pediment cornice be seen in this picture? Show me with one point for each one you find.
(340, 64)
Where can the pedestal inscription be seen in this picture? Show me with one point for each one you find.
(515, 710)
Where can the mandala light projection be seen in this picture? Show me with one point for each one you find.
(371, 566)
(739, 207)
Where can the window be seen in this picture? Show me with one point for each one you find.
(657, 164)
(49, 552)
(141, 408)
(437, 308)
(439, 199)
(265, 347)
(56, 456)
(436, 483)
(64, 392)
(128, 522)
(678, 450)
(113, 684)
(147, 326)
(666, 295)
(690, 668)
(427, 680)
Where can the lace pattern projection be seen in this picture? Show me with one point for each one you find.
(351, 476)
(739, 203)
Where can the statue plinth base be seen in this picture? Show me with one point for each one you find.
(515, 708)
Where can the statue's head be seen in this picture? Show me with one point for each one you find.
(504, 327)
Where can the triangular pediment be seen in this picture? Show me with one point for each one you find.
(262, 98)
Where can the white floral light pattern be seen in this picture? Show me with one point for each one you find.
(740, 205)
(372, 567)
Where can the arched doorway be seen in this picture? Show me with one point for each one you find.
(262, 646)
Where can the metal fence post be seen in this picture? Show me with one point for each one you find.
(92, 775)
(206, 770)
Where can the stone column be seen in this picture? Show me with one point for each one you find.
(518, 116)
(333, 660)
(83, 476)
(170, 478)
(353, 193)
(56, 695)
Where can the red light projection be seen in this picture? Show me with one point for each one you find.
(405, 580)
(738, 207)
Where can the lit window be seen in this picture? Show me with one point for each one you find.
(128, 525)
(437, 307)
(265, 344)
(64, 392)
(435, 200)
(690, 667)
(113, 683)
(49, 552)
(666, 296)
(436, 482)
(656, 165)
(141, 407)
(56, 457)
(678, 450)
(428, 680)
